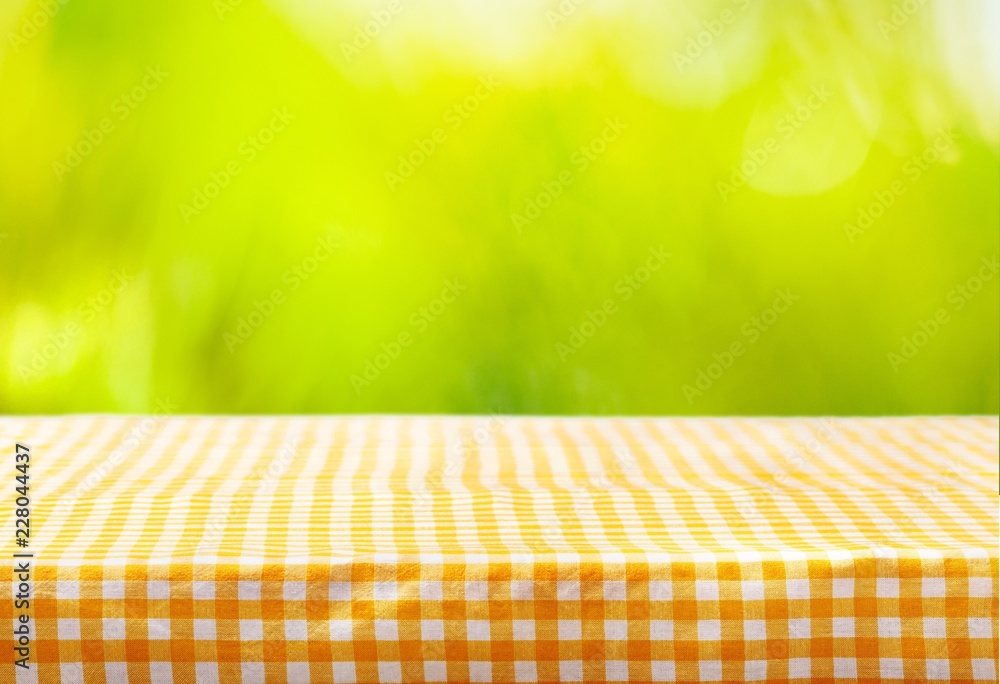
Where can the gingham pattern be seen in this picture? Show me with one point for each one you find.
(387, 549)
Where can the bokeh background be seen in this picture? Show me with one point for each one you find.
(561, 207)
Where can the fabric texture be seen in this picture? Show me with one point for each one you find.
(513, 549)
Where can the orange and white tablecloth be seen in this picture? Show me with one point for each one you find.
(509, 549)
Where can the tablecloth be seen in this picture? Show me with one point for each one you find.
(497, 548)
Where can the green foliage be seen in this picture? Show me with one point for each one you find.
(230, 211)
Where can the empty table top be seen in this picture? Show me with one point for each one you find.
(500, 548)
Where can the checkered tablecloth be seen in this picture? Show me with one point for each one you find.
(388, 549)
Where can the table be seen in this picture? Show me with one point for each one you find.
(501, 548)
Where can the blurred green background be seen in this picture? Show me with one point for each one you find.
(676, 207)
